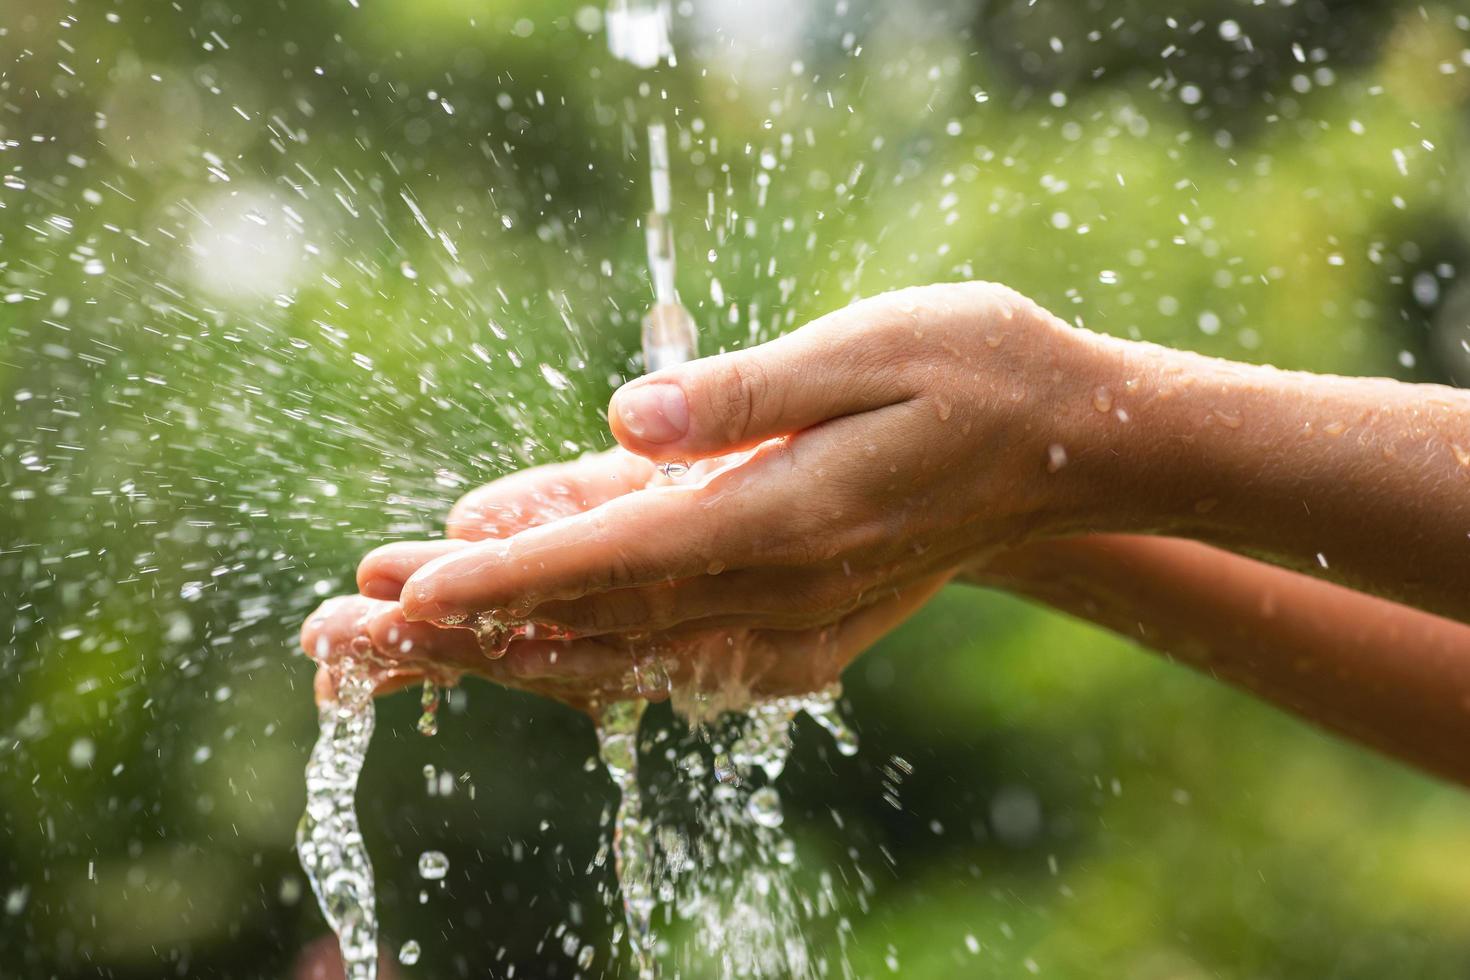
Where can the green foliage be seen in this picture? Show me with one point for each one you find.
(278, 280)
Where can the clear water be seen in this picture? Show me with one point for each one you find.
(617, 747)
(638, 31)
(712, 852)
(669, 333)
(328, 839)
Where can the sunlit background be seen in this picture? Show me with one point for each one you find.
(279, 279)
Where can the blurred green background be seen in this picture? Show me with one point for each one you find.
(277, 282)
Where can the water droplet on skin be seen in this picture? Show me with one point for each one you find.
(674, 469)
(408, 953)
(493, 633)
(715, 567)
(1462, 455)
(1056, 457)
(433, 865)
(1231, 420)
(1102, 399)
(1334, 428)
(944, 406)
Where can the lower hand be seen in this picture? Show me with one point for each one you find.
(589, 671)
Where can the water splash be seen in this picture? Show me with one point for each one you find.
(617, 747)
(328, 839)
(714, 851)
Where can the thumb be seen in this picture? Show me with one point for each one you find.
(733, 401)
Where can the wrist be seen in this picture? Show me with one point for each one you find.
(1159, 438)
(1094, 420)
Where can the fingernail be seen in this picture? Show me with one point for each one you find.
(380, 588)
(656, 413)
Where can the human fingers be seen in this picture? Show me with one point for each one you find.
(382, 571)
(763, 598)
(587, 672)
(329, 632)
(545, 493)
(342, 627)
(846, 362)
(653, 535)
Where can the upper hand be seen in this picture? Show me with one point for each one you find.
(888, 443)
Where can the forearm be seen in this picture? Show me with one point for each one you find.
(1392, 677)
(1362, 481)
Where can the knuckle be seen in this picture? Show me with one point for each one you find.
(620, 571)
(743, 383)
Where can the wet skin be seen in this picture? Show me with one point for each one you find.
(845, 471)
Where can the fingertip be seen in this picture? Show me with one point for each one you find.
(418, 602)
(383, 571)
(650, 417)
(384, 630)
(373, 579)
(321, 685)
(375, 587)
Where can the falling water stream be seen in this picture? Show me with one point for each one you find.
(328, 838)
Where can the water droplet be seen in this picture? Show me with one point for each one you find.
(764, 807)
(494, 633)
(433, 865)
(1229, 419)
(409, 952)
(1102, 399)
(555, 378)
(650, 677)
(1056, 457)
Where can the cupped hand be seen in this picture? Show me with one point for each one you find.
(589, 671)
(874, 450)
